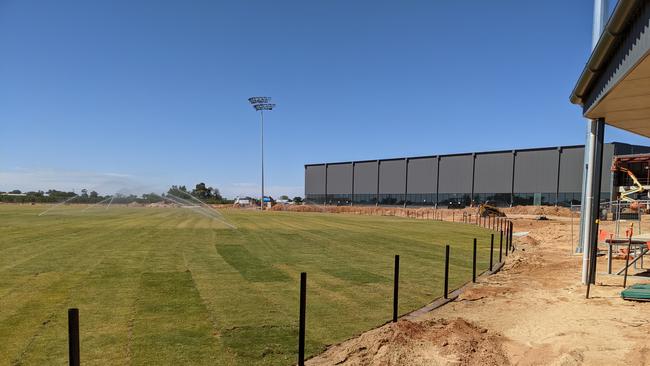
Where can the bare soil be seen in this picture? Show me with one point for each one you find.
(533, 312)
(426, 212)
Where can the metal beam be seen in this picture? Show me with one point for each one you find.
(600, 14)
(596, 171)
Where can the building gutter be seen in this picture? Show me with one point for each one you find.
(604, 49)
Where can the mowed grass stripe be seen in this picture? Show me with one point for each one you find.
(249, 266)
(171, 323)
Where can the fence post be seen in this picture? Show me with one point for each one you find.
(512, 245)
(500, 245)
(474, 262)
(301, 331)
(627, 261)
(73, 337)
(507, 235)
(396, 289)
(491, 249)
(446, 271)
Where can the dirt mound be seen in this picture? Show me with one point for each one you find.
(423, 213)
(540, 210)
(431, 342)
(427, 212)
(526, 241)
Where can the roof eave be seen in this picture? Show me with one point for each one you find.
(604, 48)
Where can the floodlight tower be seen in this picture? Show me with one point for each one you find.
(262, 104)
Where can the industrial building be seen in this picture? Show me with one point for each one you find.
(540, 176)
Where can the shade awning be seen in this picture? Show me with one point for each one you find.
(627, 104)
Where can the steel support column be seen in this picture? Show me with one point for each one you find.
(599, 20)
(590, 207)
(596, 174)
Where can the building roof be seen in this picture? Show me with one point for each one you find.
(615, 83)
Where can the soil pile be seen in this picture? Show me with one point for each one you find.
(431, 342)
(541, 211)
(428, 212)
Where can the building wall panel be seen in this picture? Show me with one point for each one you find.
(455, 174)
(392, 176)
(365, 178)
(493, 173)
(422, 175)
(536, 171)
(571, 170)
(606, 177)
(339, 179)
(315, 179)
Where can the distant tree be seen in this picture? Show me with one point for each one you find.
(297, 199)
(178, 191)
(284, 197)
(151, 198)
(202, 192)
(94, 194)
(16, 191)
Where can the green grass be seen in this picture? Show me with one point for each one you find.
(167, 286)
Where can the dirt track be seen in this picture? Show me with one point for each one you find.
(533, 312)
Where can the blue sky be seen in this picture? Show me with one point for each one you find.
(144, 94)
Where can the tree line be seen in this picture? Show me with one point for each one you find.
(202, 192)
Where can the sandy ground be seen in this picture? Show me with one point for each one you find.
(533, 312)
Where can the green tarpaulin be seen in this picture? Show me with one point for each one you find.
(637, 292)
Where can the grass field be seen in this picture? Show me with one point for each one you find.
(167, 286)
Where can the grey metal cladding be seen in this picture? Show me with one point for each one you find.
(339, 179)
(365, 178)
(423, 175)
(455, 174)
(571, 168)
(536, 171)
(606, 174)
(392, 176)
(633, 45)
(315, 179)
(627, 149)
(493, 173)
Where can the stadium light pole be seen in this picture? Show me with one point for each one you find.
(262, 104)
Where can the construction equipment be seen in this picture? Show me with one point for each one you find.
(628, 190)
(488, 210)
(626, 194)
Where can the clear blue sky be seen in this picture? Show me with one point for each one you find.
(100, 94)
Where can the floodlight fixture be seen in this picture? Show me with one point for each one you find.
(261, 103)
